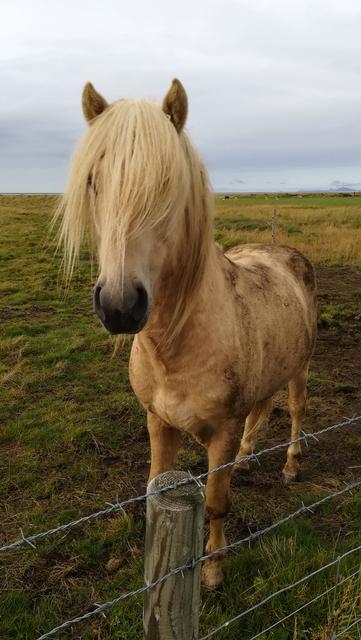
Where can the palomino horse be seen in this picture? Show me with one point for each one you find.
(217, 335)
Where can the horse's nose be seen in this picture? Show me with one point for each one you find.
(128, 316)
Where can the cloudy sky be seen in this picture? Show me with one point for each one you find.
(274, 86)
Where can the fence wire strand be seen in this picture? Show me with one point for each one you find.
(279, 592)
(190, 565)
(307, 604)
(353, 624)
(119, 506)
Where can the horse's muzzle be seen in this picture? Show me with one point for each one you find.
(130, 317)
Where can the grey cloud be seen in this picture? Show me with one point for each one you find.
(274, 88)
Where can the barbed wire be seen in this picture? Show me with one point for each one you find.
(192, 564)
(307, 604)
(279, 592)
(358, 621)
(120, 506)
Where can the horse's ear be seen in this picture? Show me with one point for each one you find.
(92, 102)
(175, 104)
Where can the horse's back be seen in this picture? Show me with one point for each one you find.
(275, 300)
(275, 262)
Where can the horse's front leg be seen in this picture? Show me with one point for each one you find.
(164, 445)
(222, 449)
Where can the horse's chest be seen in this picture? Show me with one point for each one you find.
(175, 408)
(182, 404)
(189, 399)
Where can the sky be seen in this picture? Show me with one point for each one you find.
(274, 87)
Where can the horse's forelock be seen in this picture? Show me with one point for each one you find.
(144, 171)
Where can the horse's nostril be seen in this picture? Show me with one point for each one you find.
(97, 296)
(97, 304)
(141, 305)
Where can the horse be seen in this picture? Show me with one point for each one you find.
(216, 334)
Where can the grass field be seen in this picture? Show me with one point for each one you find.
(73, 437)
(327, 228)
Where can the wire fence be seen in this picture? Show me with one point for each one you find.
(308, 604)
(190, 565)
(252, 537)
(283, 590)
(350, 626)
(120, 506)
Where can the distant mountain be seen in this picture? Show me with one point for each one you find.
(337, 185)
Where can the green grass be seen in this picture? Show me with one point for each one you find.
(73, 437)
(312, 200)
(334, 314)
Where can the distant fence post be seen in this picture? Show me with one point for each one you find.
(274, 226)
(174, 537)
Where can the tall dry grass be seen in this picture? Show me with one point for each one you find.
(329, 235)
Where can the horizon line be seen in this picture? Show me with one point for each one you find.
(216, 192)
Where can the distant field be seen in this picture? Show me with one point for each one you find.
(327, 228)
(73, 437)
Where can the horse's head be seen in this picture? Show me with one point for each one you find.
(134, 186)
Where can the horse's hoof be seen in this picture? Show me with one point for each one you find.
(212, 574)
(289, 478)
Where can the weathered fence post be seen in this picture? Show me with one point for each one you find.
(174, 537)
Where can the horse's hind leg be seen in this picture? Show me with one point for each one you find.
(255, 421)
(297, 394)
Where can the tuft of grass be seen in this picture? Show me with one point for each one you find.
(333, 315)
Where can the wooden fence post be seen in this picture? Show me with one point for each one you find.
(174, 537)
(274, 226)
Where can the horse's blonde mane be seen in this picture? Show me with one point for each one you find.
(145, 172)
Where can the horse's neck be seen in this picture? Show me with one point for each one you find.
(210, 291)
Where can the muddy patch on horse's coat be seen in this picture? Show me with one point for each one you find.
(234, 401)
